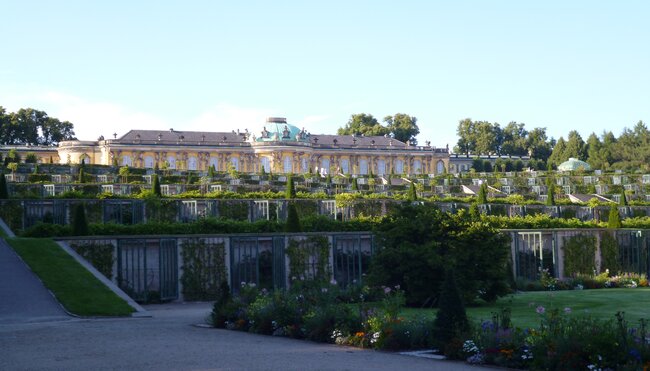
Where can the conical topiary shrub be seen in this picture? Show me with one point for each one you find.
(79, 222)
(614, 220)
(451, 320)
(155, 185)
(481, 198)
(290, 191)
(293, 221)
(412, 194)
(4, 194)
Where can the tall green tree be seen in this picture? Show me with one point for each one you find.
(79, 222)
(575, 147)
(558, 155)
(292, 224)
(403, 127)
(290, 191)
(538, 145)
(614, 220)
(451, 319)
(514, 140)
(623, 200)
(155, 185)
(481, 198)
(362, 123)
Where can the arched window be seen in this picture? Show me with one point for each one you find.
(214, 162)
(148, 162)
(399, 167)
(126, 160)
(417, 167)
(345, 166)
(192, 163)
(235, 162)
(288, 166)
(266, 164)
(440, 167)
(381, 167)
(325, 164)
(363, 167)
(171, 162)
(304, 164)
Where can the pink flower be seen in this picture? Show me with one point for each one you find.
(540, 310)
(567, 310)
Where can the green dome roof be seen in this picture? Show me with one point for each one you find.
(573, 164)
(276, 129)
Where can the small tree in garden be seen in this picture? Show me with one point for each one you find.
(79, 222)
(614, 220)
(550, 197)
(212, 171)
(155, 185)
(293, 222)
(4, 194)
(355, 184)
(451, 320)
(481, 198)
(82, 175)
(290, 191)
(623, 200)
(474, 213)
(412, 195)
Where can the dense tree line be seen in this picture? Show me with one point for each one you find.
(33, 127)
(402, 126)
(630, 151)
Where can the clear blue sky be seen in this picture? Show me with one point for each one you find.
(112, 66)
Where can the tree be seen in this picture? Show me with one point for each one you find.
(293, 221)
(575, 147)
(155, 185)
(355, 184)
(487, 166)
(412, 193)
(477, 164)
(79, 222)
(4, 193)
(481, 198)
(623, 200)
(211, 171)
(81, 176)
(290, 192)
(31, 158)
(403, 127)
(365, 124)
(550, 196)
(514, 141)
(538, 145)
(558, 155)
(451, 320)
(614, 220)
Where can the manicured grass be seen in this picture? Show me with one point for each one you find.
(75, 288)
(601, 303)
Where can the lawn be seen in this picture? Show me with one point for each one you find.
(601, 303)
(75, 288)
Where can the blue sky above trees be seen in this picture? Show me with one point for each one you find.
(201, 65)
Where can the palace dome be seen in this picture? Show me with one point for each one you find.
(277, 129)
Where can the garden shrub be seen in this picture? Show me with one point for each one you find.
(451, 323)
(79, 222)
(293, 222)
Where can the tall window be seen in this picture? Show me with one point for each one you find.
(235, 162)
(363, 167)
(399, 167)
(214, 162)
(191, 163)
(288, 166)
(417, 167)
(171, 161)
(266, 164)
(440, 167)
(126, 160)
(148, 162)
(381, 167)
(345, 166)
(304, 164)
(325, 164)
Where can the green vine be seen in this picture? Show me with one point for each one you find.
(609, 253)
(99, 255)
(204, 269)
(579, 255)
(309, 258)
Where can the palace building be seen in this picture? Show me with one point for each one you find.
(277, 147)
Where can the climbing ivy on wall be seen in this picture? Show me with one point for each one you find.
(579, 255)
(99, 255)
(309, 258)
(609, 253)
(204, 269)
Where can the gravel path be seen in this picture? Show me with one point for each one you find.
(170, 340)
